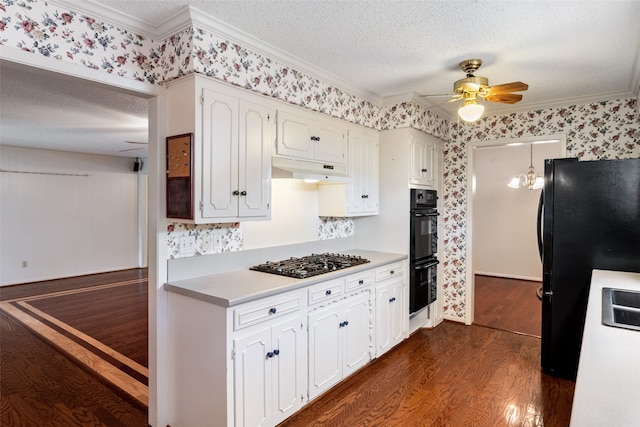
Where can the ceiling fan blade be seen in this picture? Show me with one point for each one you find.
(507, 87)
(507, 98)
(437, 95)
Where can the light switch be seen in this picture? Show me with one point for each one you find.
(187, 245)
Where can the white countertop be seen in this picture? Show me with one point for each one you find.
(236, 287)
(607, 389)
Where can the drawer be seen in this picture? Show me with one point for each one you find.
(266, 309)
(388, 271)
(325, 291)
(359, 280)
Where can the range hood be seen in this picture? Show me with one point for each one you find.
(303, 169)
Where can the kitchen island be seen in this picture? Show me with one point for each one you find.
(607, 389)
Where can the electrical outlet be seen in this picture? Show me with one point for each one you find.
(207, 243)
(188, 245)
(217, 242)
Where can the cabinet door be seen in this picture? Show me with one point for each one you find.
(256, 134)
(252, 379)
(357, 332)
(396, 324)
(325, 349)
(294, 135)
(389, 315)
(383, 295)
(219, 155)
(422, 172)
(289, 368)
(363, 168)
(330, 142)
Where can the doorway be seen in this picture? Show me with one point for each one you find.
(47, 69)
(505, 263)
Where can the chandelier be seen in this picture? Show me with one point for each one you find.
(531, 180)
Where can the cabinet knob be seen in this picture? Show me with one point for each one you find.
(243, 193)
(328, 292)
(365, 196)
(276, 352)
(392, 272)
(360, 282)
(392, 299)
(269, 355)
(272, 310)
(423, 170)
(235, 192)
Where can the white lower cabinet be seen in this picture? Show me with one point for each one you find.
(270, 373)
(256, 363)
(339, 341)
(389, 315)
(391, 307)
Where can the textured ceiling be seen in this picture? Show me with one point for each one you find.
(567, 51)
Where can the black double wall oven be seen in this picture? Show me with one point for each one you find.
(423, 249)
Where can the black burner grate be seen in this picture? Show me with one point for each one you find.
(310, 265)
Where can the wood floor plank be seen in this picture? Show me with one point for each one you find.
(453, 375)
(508, 304)
(41, 387)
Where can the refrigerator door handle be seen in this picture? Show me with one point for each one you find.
(539, 225)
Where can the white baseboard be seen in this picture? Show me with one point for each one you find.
(509, 276)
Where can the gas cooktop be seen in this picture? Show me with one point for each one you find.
(311, 265)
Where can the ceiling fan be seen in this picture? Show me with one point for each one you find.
(133, 149)
(473, 87)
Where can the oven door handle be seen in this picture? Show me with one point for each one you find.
(423, 215)
(425, 266)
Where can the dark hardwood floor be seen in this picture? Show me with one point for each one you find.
(453, 375)
(508, 305)
(73, 352)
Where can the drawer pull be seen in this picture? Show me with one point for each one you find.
(360, 282)
(328, 292)
(272, 310)
(392, 272)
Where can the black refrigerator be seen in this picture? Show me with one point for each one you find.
(589, 218)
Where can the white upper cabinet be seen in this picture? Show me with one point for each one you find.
(233, 132)
(410, 156)
(360, 196)
(423, 160)
(311, 136)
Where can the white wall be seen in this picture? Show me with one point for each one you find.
(294, 216)
(65, 225)
(504, 219)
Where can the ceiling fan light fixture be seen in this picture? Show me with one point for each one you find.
(471, 111)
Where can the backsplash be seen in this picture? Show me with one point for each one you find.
(335, 228)
(231, 235)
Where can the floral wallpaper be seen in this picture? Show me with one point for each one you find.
(230, 236)
(602, 130)
(594, 131)
(334, 228)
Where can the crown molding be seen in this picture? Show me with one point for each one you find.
(223, 30)
(189, 16)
